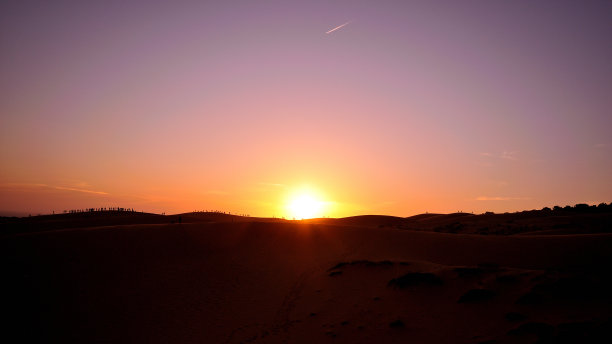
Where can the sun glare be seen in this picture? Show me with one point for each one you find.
(305, 206)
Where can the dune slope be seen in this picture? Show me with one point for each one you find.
(224, 282)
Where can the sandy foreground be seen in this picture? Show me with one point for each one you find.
(302, 283)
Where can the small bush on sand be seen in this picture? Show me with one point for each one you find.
(477, 296)
(515, 317)
(396, 324)
(542, 330)
(414, 279)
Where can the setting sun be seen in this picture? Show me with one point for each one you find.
(305, 206)
(306, 171)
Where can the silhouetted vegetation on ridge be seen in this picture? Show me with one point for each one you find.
(580, 218)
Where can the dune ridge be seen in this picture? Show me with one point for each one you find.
(273, 281)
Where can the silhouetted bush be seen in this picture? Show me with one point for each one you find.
(362, 263)
(396, 324)
(581, 206)
(477, 296)
(542, 330)
(413, 279)
(515, 317)
(530, 298)
(507, 279)
(581, 288)
(575, 332)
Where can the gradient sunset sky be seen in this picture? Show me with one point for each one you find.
(413, 106)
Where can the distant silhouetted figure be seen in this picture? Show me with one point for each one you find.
(180, 220)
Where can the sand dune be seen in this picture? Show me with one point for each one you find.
(275, 282)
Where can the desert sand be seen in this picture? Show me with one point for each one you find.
(227, 279)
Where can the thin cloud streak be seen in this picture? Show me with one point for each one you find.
(45, 186)
(80, 190)
(337, 28)
(509, 155)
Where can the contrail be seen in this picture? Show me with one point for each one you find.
(338, 27)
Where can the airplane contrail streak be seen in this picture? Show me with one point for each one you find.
(338, 27)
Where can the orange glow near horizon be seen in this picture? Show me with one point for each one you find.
(305, 204)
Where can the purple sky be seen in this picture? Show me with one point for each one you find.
(413, 106)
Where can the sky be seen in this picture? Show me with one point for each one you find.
(242, 106)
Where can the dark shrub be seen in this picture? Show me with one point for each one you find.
(542, 330)
(575, 332)
(396, 324)
(515, 317)
(477, 296)
(531, 298)
(367, 263)
(507, 279)
(415, 278)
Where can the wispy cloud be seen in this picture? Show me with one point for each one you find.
(601, 145)
(75, 183)
(54, 187)
(499, 198)
(509, 155)
(79, 190)
(506, 155)
(337, 27)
